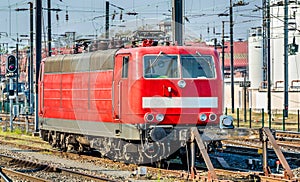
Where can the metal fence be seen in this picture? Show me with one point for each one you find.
(257, 118)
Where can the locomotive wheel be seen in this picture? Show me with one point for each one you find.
(62, 143)
(71, 144)
(152, 152)
(52, 139)
(129, 158)
(44, 135)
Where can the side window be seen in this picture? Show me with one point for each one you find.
(125, 67)
(41, 73)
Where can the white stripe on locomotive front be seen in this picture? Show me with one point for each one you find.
(180, 102)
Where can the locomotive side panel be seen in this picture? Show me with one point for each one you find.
(77, 92)
(100, 97)
(52, 86)
(78, 95)
(100, 86)
(66, 92)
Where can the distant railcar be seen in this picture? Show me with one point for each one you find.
(131, 104)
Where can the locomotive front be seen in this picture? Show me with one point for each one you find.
(172, 89)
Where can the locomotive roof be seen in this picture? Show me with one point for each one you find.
(170, 50)
(104, 59)
(98, 60)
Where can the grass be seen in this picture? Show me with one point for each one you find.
(20, 134)
(17, 131)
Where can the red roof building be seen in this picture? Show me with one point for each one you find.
(240, 51)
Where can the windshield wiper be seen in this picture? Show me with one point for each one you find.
(155, 60)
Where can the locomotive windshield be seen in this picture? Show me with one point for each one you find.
(201, 66)
(166, 66)
(161, 66)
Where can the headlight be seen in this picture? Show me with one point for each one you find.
(160, 117)
(203, 117)
(227, 121)
(149, 117)
(212, 117)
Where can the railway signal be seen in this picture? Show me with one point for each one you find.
(293, 49)
(67, 16)
(11, 65)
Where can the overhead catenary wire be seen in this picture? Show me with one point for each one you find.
(146, 10)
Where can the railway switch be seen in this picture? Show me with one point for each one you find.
(266, 136)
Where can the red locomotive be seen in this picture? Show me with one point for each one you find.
(132, 104)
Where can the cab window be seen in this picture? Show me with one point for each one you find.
(194, 66)
(161, 66)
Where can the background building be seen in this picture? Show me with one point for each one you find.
(257, 94)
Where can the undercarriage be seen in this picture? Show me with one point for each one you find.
(152, 148)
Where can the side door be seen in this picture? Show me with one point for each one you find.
(120, 86)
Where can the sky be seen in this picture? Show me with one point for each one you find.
(87, 17)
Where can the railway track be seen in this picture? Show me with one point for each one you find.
(29, 145)
(288, 141)
(168, 171)
(26, 144)
(288, 136)
(31, 171)
(37, 145)
(11, 175)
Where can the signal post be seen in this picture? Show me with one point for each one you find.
(11, 72)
